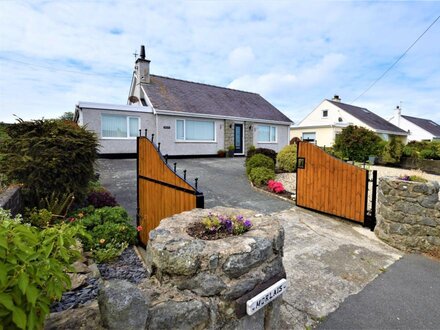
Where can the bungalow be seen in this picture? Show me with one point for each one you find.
(418, 129)
(187, 118)
(329, 118)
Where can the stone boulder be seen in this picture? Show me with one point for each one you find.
(122, 305)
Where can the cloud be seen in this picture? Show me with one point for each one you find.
(293, 53)
(278, 85)
(241, 58)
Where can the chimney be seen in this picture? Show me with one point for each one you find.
(398, 113)
(142, 67)
(336, 98)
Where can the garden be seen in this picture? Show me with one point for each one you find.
(70, 227)
(264, 166)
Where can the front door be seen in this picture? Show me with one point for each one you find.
(238, 138)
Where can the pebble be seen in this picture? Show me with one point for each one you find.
(127, 267)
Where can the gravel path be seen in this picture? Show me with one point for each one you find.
(127, 267)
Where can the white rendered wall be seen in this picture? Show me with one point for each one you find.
(416, 132)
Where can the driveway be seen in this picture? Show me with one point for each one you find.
(327, 260)
(222, 180)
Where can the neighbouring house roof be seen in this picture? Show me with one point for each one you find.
(426, 124)
(190, 97)
(366, 116)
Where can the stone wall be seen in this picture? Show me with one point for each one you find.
(11, 199)
(248, 135)
(229, 133)
(200, 284)
(408, 215)
(426, 165)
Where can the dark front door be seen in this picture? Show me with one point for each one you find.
(238, 138)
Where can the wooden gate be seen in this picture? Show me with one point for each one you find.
(161, 192)
(329, 185)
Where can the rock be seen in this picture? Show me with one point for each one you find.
(83, 318)
(171, 314)
(204, 284)
(94, 271)
(179, 257)
(241, 263)
(77, 280)
(80, 267)
(122, 306)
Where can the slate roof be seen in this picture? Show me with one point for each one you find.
(368, 117)
(426, 124)
(186, 96)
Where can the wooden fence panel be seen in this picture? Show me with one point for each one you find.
(329, 185)
(161, 191)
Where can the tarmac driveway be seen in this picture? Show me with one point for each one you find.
(222, 180)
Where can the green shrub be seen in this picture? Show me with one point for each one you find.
(286, 158)
(260, 175)
(259, 160)
(49, 156)
(109, 228)
(33, 270)
(392, 150)
(422, 149)
(267, 152)
(357, 143)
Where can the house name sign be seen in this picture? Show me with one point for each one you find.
(266, 296)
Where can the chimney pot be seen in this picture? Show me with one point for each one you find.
(336, 98)
(142, 54)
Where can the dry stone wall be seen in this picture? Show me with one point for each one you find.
(408, 215)
(11, 200)
(200, 284)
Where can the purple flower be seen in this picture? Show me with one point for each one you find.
(228, 225)
(239, 217)
(248, 224)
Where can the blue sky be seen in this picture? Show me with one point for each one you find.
(294, 53)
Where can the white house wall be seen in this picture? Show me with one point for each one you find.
(92, 120)
(324, 136)
(416, 132)
(315, 117)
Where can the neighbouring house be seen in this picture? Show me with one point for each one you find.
(418, 129)
(187, 118)
(329, 118)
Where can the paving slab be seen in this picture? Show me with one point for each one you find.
(326, 261)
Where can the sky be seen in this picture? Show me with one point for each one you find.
(54, 54)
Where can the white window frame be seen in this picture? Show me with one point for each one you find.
(194, 141)
(302, 136)
(127, 119)
(322, 114)
(270, 131)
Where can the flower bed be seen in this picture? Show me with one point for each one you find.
(216, 226)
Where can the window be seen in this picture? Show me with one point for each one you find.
(310, 136)
(195, 130)
(266, 134)
(115, 126)
(324, 113)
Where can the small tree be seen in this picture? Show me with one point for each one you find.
(357, 143)
(392, 150)
(49, 157)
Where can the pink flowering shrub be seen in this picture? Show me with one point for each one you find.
(275, 186)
